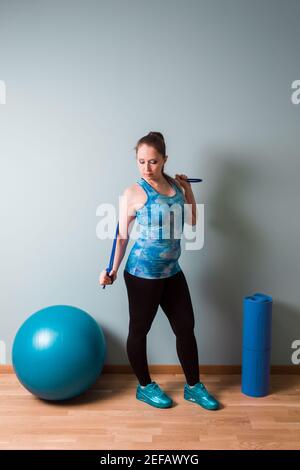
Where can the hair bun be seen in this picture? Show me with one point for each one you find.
(157, 134)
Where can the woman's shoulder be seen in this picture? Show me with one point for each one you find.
(133, 188)
(173, 180)
(133, 191)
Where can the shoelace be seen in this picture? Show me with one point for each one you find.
(201, 387)
(155, 387)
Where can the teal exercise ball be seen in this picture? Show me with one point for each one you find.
(59, 352)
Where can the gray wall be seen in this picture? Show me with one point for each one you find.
(85, 80)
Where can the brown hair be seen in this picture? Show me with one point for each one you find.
(156, 140)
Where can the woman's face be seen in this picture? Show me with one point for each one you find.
(150, 163)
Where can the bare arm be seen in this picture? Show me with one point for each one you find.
(126, 217)
(189, 198)
(192, 208)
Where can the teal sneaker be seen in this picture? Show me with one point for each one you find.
(153, 395)
(198, 394)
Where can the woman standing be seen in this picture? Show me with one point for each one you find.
(152, 274)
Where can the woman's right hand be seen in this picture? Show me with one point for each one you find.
(105, 279)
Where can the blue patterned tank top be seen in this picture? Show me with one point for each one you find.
(155, 253)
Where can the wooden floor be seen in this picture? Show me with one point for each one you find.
(109, 417)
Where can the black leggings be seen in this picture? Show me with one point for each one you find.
(144, 297)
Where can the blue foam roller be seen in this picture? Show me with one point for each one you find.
(256, 372)
(257, 322)
(257, 329)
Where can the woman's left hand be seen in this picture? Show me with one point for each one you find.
(182, 180)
